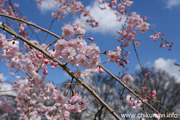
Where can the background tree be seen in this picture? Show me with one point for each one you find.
(166, 86)
(158, 80)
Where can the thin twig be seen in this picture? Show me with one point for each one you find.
(49, 29)
(32, 24)
(144, 108)
(98, 112)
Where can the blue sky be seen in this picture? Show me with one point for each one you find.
(164, 17)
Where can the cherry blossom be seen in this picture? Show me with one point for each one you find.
(68, 53)
(81, 60)
(132, 102)
(128, 79)
(68, 31)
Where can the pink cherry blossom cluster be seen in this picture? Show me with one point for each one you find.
(35, 103)
(22, 30)
(164, 42)
(153, 94)
(113, 56)
(129, 33)
(9, 48)
(65, 7)
(76, 29)
(91, 21)
(73, 7)
(133, 103)
(2, 40)
(33, 60)
(146, 75)
(155, 37)
(121, 6)
(7, 9)
(68, 50)
(29, 62)
(5, 105)
(138, 22)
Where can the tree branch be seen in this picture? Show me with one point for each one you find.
(32, 24)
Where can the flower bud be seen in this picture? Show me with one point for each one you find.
(46, 61)
(55, 64)
(45, 72)
(100, 70)
(90, 38)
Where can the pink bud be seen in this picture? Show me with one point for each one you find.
(55, 64)
(90, 38)
(116, 13)
(119, 40)
(146, 75)
(121, 64)
(145, 100)
(46, 61)
(136, 43)
(127, 54)
(126, 44)
(153, 96)
(40, 56)
(100, 70)
(52, 67)
(162, 45)
(157, 35)
(169, 49)
(45, 72)
(163, 35)
(16, 5)
(153, 92)
(117, 60)
(126, 61)
(167, 45)
(145, 18)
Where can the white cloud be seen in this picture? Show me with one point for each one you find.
(172, 3)
(2, 78)
(7, 89)
(48, 5)
(106, 18)
(168, 66)
(147, 64)
(163, 64)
